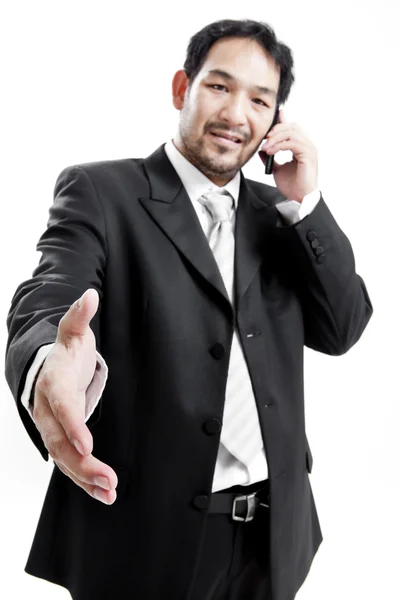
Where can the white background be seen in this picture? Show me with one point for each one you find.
(84, 81)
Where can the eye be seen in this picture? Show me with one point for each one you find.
(218, 85)
(215, 85)
(262, 102)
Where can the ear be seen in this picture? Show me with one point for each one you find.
(179, 85)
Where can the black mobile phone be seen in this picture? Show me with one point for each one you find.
(270, 157)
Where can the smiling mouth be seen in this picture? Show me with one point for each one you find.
(224, 141)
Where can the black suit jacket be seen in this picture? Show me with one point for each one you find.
(128, 229)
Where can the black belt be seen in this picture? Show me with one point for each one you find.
(242, 507)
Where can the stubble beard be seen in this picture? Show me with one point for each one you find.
(198, 154)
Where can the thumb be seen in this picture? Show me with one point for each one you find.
(276, 167)
(77, 318)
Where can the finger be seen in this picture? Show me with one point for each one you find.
(288, 133)
(67, 404)
(299, 149)
(288, 128)
(293, 139)
(87, 469)
(277, 128)
(50, 429)
(77, 318)
(285, 145)
(105, 496)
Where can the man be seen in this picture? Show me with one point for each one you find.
(170, 311)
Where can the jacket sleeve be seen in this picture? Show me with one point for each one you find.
(320, 262)
(74, 255)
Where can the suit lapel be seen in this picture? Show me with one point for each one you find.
(255, 218)
(171, 208)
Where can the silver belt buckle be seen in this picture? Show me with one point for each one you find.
(252, 503)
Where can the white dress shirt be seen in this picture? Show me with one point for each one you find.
(228, 470)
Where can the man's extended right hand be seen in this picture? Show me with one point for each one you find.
(59, 401)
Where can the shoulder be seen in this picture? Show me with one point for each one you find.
(108, 168)
(104, 175)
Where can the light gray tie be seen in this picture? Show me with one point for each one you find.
(240, 433)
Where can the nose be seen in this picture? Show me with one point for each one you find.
(234, 111)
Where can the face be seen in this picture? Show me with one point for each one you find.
(233, 95)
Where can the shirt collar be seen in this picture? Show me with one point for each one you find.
(194, 181)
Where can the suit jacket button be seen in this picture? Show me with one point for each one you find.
(321, 258)
(315, 243)
(212, 426)
(311, 235)
(318, 250)
(201, 502)
(217, 351)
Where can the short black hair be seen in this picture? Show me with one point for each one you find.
(201, 42)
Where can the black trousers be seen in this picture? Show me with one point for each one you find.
(235, 556)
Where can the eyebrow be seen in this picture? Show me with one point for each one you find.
(229, 77)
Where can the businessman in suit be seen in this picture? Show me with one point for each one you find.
(156, 354)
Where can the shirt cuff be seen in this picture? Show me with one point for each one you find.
(96, 386)
(93, 392)
(30, 378)
(294, 211)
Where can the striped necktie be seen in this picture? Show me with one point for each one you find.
(241, 433)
